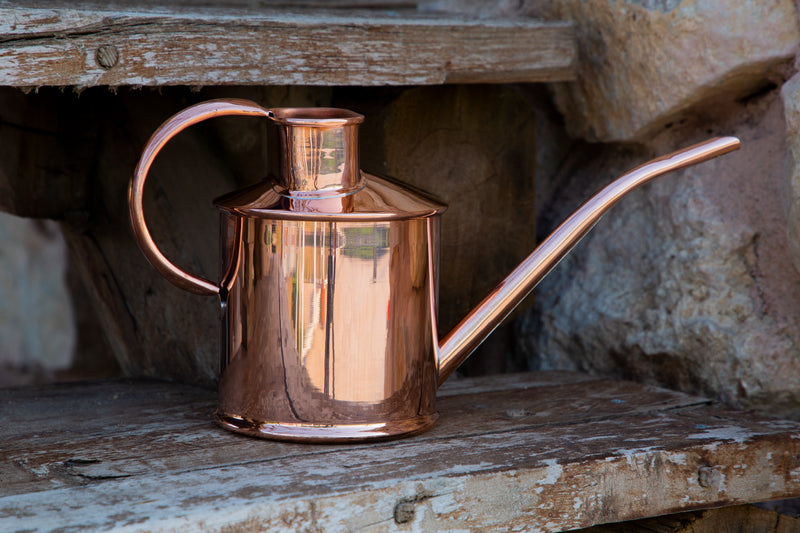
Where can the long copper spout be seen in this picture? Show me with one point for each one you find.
(481, 321)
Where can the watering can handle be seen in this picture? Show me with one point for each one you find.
(170, 128)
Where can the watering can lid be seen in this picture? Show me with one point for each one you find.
(375, 199)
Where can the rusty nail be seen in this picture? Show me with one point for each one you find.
(404, 512)
(107, 56)
(709, 477)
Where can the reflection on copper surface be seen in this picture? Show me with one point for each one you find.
(328, 283)
(375, 199)
(170, 128)
(319, 150)
(329, 325)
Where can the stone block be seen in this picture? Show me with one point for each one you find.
(688, 282)
(646, 63)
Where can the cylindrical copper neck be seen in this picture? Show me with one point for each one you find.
(319, 149)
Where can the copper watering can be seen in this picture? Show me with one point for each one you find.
(329, 280)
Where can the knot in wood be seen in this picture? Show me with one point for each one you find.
(107, 56)
(709, 477)
(404, 512)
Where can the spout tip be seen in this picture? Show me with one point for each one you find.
(733, 143)
(723, 145)
(718, 145)
(698, 153)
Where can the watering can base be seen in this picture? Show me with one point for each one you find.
(325, 433)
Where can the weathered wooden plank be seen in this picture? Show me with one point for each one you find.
(542, 452)
(89, 44)
(91, 446)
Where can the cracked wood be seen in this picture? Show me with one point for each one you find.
(534, 452)
(87, 44)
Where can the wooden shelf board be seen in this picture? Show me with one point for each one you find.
(539, 452)
(75, 44)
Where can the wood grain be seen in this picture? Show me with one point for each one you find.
(129, 43)
(537, 452)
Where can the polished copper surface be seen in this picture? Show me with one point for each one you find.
(328, 330)
(325, 433)
(326, 288)
(319, 151)
(379, 199)
(329, 279)
(173, 126)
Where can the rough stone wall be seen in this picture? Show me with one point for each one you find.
(689, 282)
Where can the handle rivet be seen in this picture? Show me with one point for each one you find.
(107, 56)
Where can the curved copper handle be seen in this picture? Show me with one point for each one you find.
(170, 128)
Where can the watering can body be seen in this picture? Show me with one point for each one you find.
(327, 323)
(328, 283)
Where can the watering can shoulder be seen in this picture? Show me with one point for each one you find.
(379, 199)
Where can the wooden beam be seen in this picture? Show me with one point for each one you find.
(89, 44)
(536, 452)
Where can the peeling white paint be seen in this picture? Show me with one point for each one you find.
(677, 458)
(734, 433)
(599, 437)
(578, 503)
(40, 470)
(464, 469)
(551, 475)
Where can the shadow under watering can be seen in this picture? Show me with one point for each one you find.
(329, 280)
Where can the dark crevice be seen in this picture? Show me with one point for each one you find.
(110, 277)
